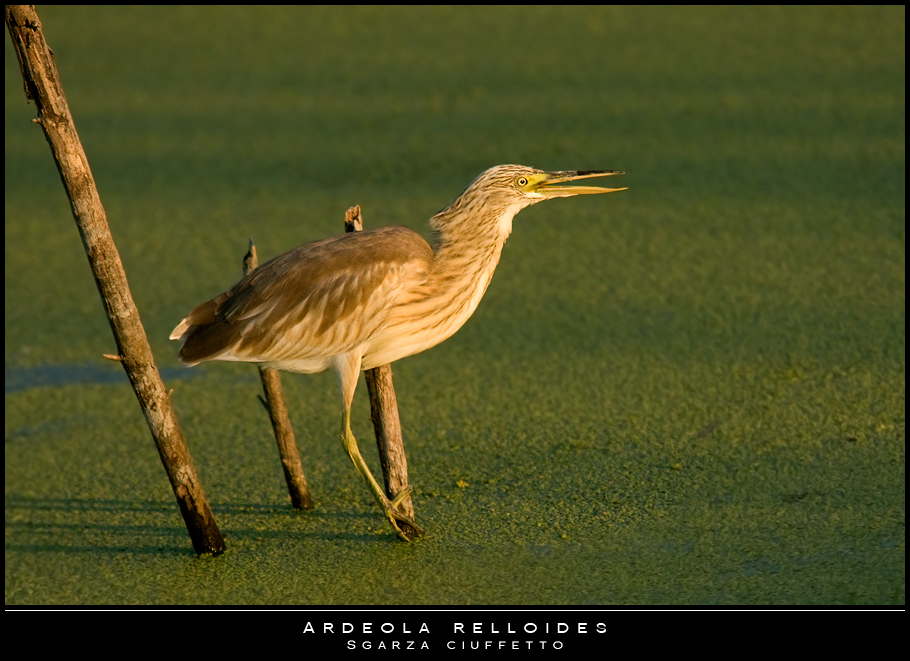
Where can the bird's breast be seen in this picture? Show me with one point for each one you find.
(433, 310)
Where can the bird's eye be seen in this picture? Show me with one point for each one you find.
(522, 181)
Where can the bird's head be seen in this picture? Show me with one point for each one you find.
(525, 186)
(496, 195)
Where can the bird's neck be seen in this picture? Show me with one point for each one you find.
(467, 250)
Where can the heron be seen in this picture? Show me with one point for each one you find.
(364, 299)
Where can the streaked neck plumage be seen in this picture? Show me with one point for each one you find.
(468, 237)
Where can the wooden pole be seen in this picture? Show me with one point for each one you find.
(42, 85)
(281, 424)
(384, 413)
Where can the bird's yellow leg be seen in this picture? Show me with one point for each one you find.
(389, 507)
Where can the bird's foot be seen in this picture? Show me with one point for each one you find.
(405, 527)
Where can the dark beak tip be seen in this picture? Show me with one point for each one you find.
(583, 173)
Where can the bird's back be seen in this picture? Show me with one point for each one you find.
(299, 310)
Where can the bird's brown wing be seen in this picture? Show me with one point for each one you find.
(317, 301)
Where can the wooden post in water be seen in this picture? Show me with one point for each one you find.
(281, 424)
(384, 413)
(42, 85)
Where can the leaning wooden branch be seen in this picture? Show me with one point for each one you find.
(281, 424)
(384, 412)
(42, 85)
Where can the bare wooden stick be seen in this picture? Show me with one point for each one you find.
(384, 413)
(42, 85)
(281, 424)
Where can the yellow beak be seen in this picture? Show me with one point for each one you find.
(548, 185)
